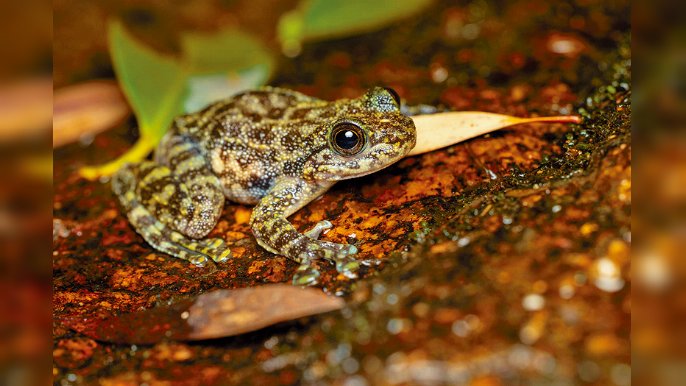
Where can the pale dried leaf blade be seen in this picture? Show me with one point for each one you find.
(25, 109)
(87, 109)
(232, 312)
(435, 131)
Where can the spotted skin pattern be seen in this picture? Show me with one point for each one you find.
(273, 148)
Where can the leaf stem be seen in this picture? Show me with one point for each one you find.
(135, 154)
(556, 119)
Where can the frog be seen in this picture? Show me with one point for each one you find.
(273, 148)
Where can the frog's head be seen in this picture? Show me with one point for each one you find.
(367, 134)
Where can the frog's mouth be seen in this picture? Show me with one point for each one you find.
(378, 157)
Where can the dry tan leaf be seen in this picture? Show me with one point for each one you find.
(211, 315)
(87, 109)
(25, 109)
(435, 131)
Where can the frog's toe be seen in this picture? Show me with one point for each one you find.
(214, 242)
(220, 255)
(317, 230)
(339, 254)
(214, 248)
(348, 267)
(306, 275)
(345, 263)
(197, 260)
(333, 250)
(184, 252)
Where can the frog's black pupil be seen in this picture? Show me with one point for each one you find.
(347, 139)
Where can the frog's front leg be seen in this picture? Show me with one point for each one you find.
(274, 233)
(173, 204)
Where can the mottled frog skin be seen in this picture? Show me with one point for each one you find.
(274, 148)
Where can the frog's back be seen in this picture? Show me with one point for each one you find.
(254, 137)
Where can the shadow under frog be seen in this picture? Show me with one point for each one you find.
(273, 148)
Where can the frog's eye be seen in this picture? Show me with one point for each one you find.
(347, 138)
(394, 94)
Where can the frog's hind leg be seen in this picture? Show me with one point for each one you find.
(163, 212)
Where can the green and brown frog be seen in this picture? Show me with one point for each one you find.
(273, 148)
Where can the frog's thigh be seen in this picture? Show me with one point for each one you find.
(145, 192)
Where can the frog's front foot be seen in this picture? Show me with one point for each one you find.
(306, 275)
(348, 267)
(339, 254)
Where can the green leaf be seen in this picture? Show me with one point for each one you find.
(153, 83)
(224, 51)
(317, 19)
(223, 64)
(160, 87)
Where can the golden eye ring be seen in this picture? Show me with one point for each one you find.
(347, 138)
